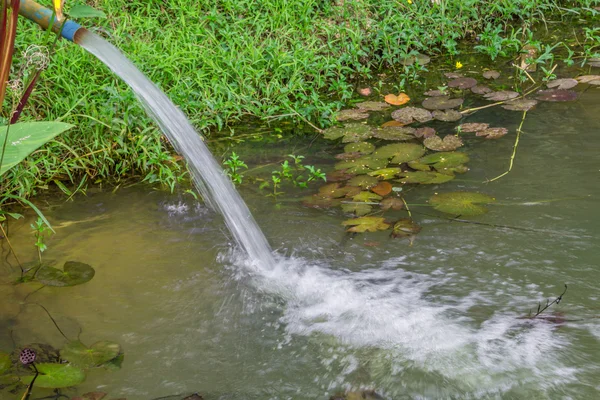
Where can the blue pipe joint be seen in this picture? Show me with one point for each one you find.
(69, 29)
(46, 18)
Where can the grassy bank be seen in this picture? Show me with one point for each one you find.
(221, 61)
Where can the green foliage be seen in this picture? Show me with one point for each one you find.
(55, 376)
(233, 166)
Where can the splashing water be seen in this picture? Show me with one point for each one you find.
(216, 189)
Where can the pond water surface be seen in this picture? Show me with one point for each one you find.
(438, 319)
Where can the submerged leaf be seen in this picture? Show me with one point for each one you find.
(481, 89)
(372, 106)
(85, 357)
(350, 133)
(363, 164)
(425, 132)
(405, 227)
(73, 273)
(449, 143)
(461, 203)
(332, 190)
(501, 95)
(400, 152)
(462, 83)
(357, 208)
(520, 105)
(398, 100)
(491, 74)
(366, 197)
(425, 177)
(56, 376)
(493, 133)
(5, 362)
(393, 203)
(447, 115)
(441, 103)
(338, 176)
(556, 95)
(408, 115)
(316, 201)
(366, 224)
(472, 127)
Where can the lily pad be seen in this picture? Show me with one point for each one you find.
(434, 93)
(56, 376)
(366, 224)
(461, 203)
(349, 133)
(449, 143)
(481, 89)
(564, 83)
(501, 95)
(372, 105)
(5, 362)
(385, 173)
(382, 188)
(401, 133)
(392, 123)
(357, 208)
(424, 177)
(462, 83)
(391, 203)
(73, 273)
(316, 201)
(360, 147)
(408, 115)
(493, 133)
(400, 152)
(354, 114)
(589, 79)
(405, 228)
(338, 176)
(332, 190)
(444, 160)
(441, 103)
(556, 95)
(491, 74)
(453, 75)
(366, 197)
(472, 127)
(398, 100)
(424, 132)
(520, 105)
(419, 166)
(421, 59)
(363, 164)
(447, 115)
(363, 181)
(348, 156)
(85, 357)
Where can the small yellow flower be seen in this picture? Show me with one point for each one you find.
(459, 65)
(409, 1)
(58, 6)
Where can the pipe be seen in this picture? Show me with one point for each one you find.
(44, 17)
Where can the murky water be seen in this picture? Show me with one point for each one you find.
(435, 320)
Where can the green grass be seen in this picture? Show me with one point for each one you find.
(224, 60)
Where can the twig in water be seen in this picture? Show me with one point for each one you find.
(514, 153)
(470, 110)
(548, 304)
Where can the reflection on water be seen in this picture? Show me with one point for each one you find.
(438, 319)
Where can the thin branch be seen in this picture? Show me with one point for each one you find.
(548, 303)
(514, 152)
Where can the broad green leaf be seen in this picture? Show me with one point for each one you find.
(363, 181)
(444, 160)
(4, 362)
(350, 133)
(26, 137)
(73, 273)
(115, 364)
(357, 208)
(366, 224)
(400, 152)
(85, 11)
(362, 165)
(461, 203)
(85, 357)
(367, 197)
(424, 177)
(56, 376)
(385, 173)
(360, 147)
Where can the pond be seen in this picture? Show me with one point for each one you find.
(435, 319)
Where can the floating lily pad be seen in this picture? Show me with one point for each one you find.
(424, 177)
(441, 103)
(564, 83)
(400, 152)
(449, 143)
(391, 203)
(556, 95)
(366, 197)
(382, 188)
(5, 362)
(493, 133)
(73, 273)
(316, 201)
(398, 100)
(472, 127)
(338, 176)
(366, 224)
(434, 93)
(421, 59)
(501, 95)
(520, 105)
(462, 83)
(85, 357)
(357, 208)
(401, 133)
(349, 156)
(461, 203)
(491, 74)
(372, 105)
(56, 376)
(332, 190)
(349, 133)
(453, 75)
(481, 89)
(360, 147)
(363, 164)
(444, 160)
(424, 132)
(408, 115)
(405, 228)
(419, 166)
(392, 123)
(447, 115)
(589, 79)
(385, 173)
(363, 181)
(354, 114)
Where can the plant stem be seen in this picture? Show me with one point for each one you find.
(514, 153)
(12, 250)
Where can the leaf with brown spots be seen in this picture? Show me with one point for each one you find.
(449, 143)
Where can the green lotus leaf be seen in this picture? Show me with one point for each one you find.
(425, 177)
(367, 197)
(400, 152)
(73, 273)
(461, 203)
(366, 224)
(357, 208)
(85, 357)
(444, 160)
(56, 376)
(397, 133)
(4, 362)
(362, 165)
(360, 147)
(405, 227)
(385, 173)
(363, 181)
(419, 166)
